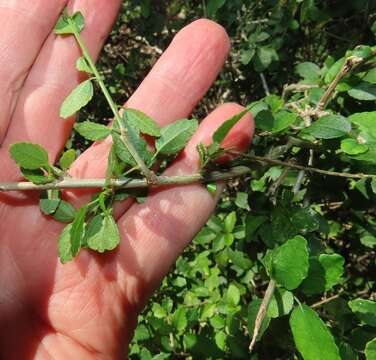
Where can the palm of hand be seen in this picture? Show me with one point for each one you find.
(88, 307)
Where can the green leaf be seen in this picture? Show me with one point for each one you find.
(175, 136)
(373, 29)
(77, 99)
(230, 221)
(217, 321)
(179, 319)
(309, 71)
(239, 259)
(65, 212)
(275, 102)
(312, 338)
(366, 121)
(247, 55)
(290, 262)
(325, 271)
(113, 164)
(305, 220)
(141, 333)
(138, 143)
(347, 352)
(334, 70)
(365, 310)
(212, 188)
(253, 309)
(329, 127)
(283, 120)
(213, 6)
(48, 206)
(363, 91)
(258, 36)
(252, 223)
(67, 159)
(233, 295)
(220, 134)
(64, 27)
(102, 233)
(140, 121)
(264, 120)
(158, 311)
(79, 20)
(37, 176)
(92, 131)
(362, 51)
(267, 261)
(352, 147)
(241, 200)
(370, 77)
(64, 245)
(83, 65)
(370, 350)
(281, 303)
(256, 107)
(265, 55)
(78, 230)
(29, 156)
(220, 340)
(369, 240)
(360, 336)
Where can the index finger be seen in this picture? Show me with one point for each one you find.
(25, 26)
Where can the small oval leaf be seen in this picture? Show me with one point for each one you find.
(29, 156)
(77, 99)
(175, 136)
(140, 121)
(92, 131)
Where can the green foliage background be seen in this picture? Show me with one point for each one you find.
(207, 305)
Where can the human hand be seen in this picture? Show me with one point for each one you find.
(88, 308)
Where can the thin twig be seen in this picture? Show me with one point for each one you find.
(299, 181)
(326, 300)
(272, 192)
(287, 89)
(350, 64)
(300, 178)
(304, 144)
(262, 312)
(264, 84)
(306, 168)
(259, 21)
(204, 9)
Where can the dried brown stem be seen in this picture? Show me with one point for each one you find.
(262, 312)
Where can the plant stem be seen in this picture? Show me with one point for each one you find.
(350, 63)
(287, 89)
(262, 312)
(325, 301)
(305, 168)
(303, 143)
(264, 84)
(204, 9)
(150, 176)
(172, 180)
(128, 183)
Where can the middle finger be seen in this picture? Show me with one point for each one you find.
(174, 86)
